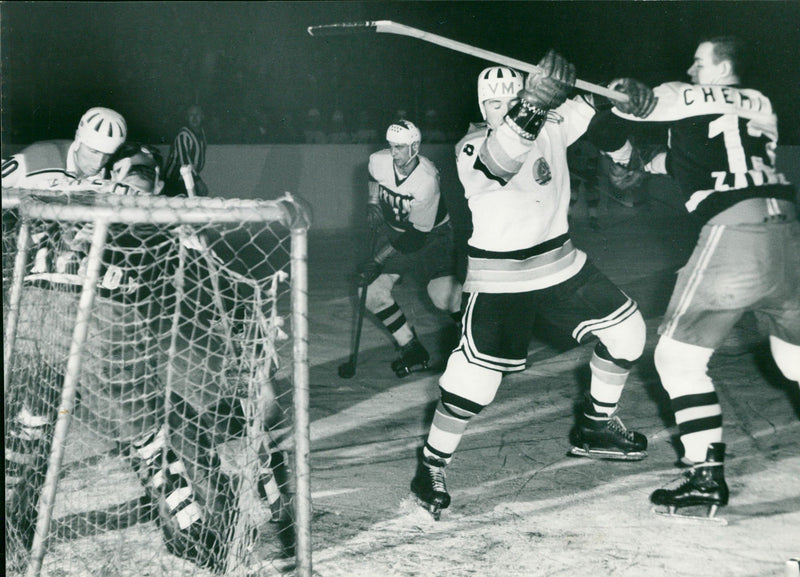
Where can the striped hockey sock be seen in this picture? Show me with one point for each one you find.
(395, 322)
(450, 420)
(608, 381)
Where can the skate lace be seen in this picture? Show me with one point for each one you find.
(436, 475)
(616, 425)
(680, 481)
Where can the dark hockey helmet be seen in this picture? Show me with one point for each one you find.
(138, 166)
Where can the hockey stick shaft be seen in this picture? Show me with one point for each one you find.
(188, 181)
(362, 307)
(348, 369)
(362, 304)
(389, 27)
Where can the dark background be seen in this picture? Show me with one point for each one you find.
(149, 60)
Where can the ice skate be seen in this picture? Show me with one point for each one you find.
(413, 357)
(428, 486)
(605, 437)
(702, 486)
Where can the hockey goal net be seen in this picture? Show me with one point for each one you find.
(155, 385)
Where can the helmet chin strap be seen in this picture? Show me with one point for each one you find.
(402, 169)
(408, 163)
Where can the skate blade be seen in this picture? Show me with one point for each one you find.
(434, 510)
(708, 519)
(405, 371)
(606, 455)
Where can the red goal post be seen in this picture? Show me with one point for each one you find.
(156, 384)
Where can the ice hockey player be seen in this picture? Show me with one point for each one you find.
(51, 164)
(120, 386)
(523, 265)
(721, 153)
(407, 213)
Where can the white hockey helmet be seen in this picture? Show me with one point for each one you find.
(403, 132)
(102, 129)
(498, 82)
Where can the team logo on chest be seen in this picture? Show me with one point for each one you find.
(541, 171)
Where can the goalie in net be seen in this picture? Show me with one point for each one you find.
(180, 356)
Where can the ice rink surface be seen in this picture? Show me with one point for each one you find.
(520, 506)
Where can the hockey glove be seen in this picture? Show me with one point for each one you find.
(374, 216)
(368, 271)
(200, 187)
(549, 87)
(642, 100)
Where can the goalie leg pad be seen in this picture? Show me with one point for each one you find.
(27, 447)
(28, 441)
(182, 475)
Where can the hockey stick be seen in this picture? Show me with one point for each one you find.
(208, 256)
(389, 27)
(348, 369)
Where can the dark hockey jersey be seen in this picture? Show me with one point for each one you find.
(722, 142)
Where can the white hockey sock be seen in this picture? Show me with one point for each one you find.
(683, 371)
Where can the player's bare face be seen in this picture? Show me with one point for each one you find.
(496, 110)
(402, 155)
(704, 70)
(89, 161)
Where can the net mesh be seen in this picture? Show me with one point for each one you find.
(169, 451)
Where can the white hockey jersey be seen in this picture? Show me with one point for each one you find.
(412, 202)
(42, 165)
(518, 193)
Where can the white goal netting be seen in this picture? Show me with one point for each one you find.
(155, 385)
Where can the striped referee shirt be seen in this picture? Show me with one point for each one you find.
(189, 147)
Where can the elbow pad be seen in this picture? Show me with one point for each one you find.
(410, 241)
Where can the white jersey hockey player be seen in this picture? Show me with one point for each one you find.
(120, 389)
(523, 266)
(413, 237)
(56, 163)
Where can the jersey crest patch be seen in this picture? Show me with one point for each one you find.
(541, 171)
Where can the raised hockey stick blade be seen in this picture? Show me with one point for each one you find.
(389, 27)
(343, 28)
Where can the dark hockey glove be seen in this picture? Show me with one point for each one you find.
(374, 216)
(200, 187)
(549, 87)
(642, 100)
(368, 271)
